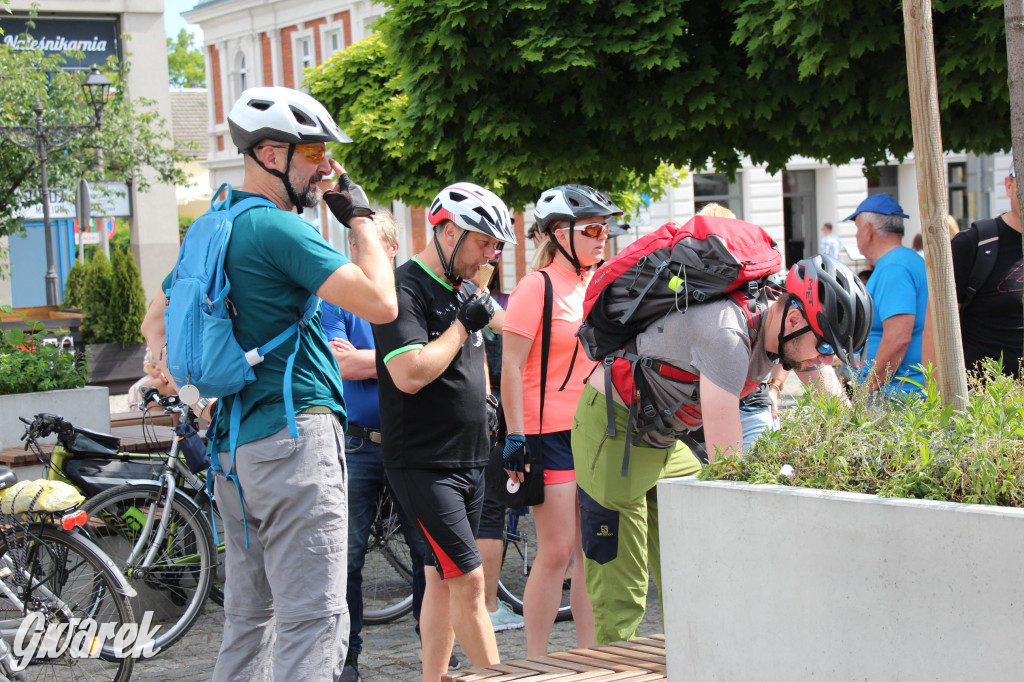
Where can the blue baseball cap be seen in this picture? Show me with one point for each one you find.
(878, 203)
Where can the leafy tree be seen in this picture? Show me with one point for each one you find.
(127, 299)
(132, 136)
(74, 286)
(524, 94)
(185, 63)
(97, 316)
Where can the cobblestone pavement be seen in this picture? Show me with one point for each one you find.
(390, 652)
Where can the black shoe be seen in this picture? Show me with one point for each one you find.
(453, 663)
(350, 673)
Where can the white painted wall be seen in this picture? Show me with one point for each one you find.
(771, 583)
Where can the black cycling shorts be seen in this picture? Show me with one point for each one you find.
(445, 505)
(492, 521)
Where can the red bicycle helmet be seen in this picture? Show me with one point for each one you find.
(835, 302)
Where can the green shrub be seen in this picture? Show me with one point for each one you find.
(917, 448)
(184, 222)
(96, 318)
(28, 365)
(74, 286)
(127, 300)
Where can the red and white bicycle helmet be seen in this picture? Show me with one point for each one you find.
(473, 208)
(835, 302)
(280, 114)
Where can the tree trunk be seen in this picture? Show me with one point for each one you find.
(1013, 11)
(931, 188)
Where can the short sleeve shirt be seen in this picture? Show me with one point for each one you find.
(275, 261)
(524, 317)
(712, 340)
(360, 395)
(444, 424)
(898, 286)
(993, 324)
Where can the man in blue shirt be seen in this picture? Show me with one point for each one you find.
(899, 289)
(351, 341)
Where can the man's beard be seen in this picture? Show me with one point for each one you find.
(786, 355)
(310, 194)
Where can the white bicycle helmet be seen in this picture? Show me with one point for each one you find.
(474, 209)
(283, 115)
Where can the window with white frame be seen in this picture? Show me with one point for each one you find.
(305, 57)
(334, 41)
(715, 188)
(241, 73)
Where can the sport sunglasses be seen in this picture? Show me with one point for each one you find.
(822, 346)
(314, 153)
(593, 230)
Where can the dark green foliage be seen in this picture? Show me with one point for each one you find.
(97, 320)
(28, 365)
(74, 286)
(127, 300)
(918, 449)
(520, 95)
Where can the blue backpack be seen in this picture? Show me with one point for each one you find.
(202, 350)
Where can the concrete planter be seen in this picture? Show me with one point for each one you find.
(775, 583)
(88, 407)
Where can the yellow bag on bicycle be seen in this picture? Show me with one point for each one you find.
(40, 495)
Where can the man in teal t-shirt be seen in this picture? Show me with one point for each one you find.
(899, 291)
(285, 522)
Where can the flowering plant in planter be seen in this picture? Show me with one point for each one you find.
(30, 362)
(914, 448)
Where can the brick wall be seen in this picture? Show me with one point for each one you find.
(287, 58)
(268, 60)
(418, 226)
(218, 94)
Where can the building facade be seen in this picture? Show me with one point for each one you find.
(136, 31)
(252, 43)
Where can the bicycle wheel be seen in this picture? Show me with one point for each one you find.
(175, 587)
(517, 558)
(387, 573)
(63, 580)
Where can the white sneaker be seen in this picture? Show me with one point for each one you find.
(505, 618)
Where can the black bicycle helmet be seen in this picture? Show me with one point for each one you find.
(572, 202)
(835, 302)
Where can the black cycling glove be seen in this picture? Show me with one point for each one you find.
(514, 455)
(476, 313)
(347, 200)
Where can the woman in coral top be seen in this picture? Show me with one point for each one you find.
(574, 218)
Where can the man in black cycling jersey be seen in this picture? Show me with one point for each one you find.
(430, 369)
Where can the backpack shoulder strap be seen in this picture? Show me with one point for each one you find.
(545, 346)
(985, 255)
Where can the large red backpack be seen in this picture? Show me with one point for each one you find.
(669, 269)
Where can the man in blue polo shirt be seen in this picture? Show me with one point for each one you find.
(899, 290)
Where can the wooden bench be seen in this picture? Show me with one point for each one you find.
(637, 660)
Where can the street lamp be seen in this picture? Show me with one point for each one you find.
(44, 138)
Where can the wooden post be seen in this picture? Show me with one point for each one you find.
(1013, 14)
(931, 188)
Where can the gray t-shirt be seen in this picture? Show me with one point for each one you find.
(712, 340)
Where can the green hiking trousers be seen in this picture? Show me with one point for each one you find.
(619, 515)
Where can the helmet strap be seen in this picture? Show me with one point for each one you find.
(783, 337)
(573, 259)
(449, 264)
(292, 196)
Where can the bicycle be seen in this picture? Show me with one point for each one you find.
(157, 534)
(387, 573)
(52, 578)
(517, 560)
